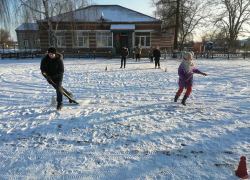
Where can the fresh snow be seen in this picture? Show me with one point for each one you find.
(126, 125)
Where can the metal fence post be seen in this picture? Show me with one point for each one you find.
(110, 55)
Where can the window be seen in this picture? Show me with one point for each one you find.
(60, 39)
(104, 39)
(26, 43)
(37, 43)
(142, 38)
(80, 39)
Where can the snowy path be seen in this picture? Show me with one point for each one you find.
(126, 125)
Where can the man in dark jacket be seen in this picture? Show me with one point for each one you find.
(124, 54)
(157, 55)
(52, 68)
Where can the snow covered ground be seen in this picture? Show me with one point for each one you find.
(126, 125)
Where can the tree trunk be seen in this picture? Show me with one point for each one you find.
(176, 28)
(51, 31)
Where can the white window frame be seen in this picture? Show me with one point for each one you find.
(37, 43)
(140, 41)
(75, 35)
(25, 43)
(145, 39)
(60, 37)
(102, 37)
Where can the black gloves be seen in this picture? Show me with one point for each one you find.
(48, 78)
(204, 74)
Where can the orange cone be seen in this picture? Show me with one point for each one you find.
(106, 68)
(241, 172)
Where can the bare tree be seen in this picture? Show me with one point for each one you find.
(192, 15)
(217, 36)
(184, 16)
(5, 12)
(4, 36)
(169, 11)
(52, 12)
(177, 25)
(231, 15)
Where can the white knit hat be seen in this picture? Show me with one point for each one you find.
(187, 55)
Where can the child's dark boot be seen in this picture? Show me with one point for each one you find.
(176, 98)
(183, 102)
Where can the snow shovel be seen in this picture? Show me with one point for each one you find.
(63, 90)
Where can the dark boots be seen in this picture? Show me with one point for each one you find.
(183, 102)
(59, 106)
(176, 98)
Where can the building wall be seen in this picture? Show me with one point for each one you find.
(167, 40)
(164, 41)
(44, 41)
(31, 38)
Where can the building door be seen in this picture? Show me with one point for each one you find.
(122, 39)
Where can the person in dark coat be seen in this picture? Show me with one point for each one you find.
(157, 55)
(52, 68)
(185, 72)
(124, 54)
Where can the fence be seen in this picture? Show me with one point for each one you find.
(211, 55)
(108, 55)
(32, 55)
(227, 55)
(20, 55)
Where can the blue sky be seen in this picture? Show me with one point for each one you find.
(142, 6)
